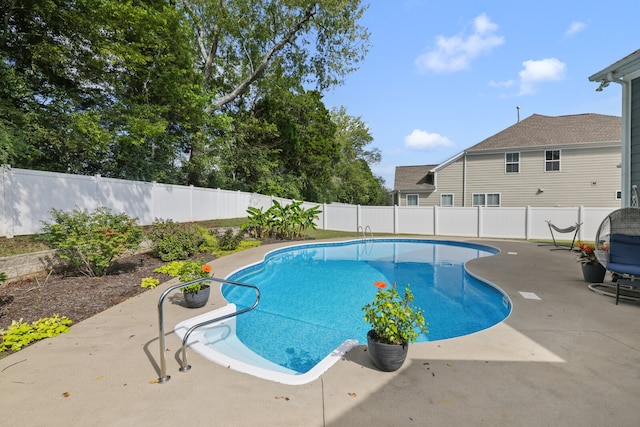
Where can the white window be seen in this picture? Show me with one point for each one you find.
(493, 200)
(551, 160)
(512, 162)
(479, 200)
(412, 200)
(489, 199)
(446, 200)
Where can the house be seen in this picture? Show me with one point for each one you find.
(413, 183)
(626, 72)
(571, 160)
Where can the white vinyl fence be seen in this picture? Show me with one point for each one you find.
(27, 196)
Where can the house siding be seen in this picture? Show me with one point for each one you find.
(587, 177)
(448, 181)
(635, 132)
(423, 196)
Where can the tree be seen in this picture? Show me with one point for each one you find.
(297, 42)
(353, 179)
(285, 146)
(100, 86)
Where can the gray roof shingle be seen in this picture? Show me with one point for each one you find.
(412, 178)
(537, 130)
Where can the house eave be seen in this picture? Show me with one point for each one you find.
(527, 148)
(618, 70)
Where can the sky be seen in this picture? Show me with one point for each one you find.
(442, 76)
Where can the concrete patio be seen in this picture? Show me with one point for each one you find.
(571, 358)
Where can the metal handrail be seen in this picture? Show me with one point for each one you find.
(370, 232)
(364, 232)
(184, 366)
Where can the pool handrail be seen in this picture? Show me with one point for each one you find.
(184, 366)
(364, 232)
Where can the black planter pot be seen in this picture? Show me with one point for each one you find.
(386, 357)
(593, 273)
(197, 299)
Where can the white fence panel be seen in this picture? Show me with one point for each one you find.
(591, 219)
(259, 201)
(415, 220)
(451, 221)
(131, 197)
(341, 217)
(202, 204)
(172, 202)
(228, 204)
(26, 198)
(505, 223)
(379, 218)
(561, 217)
(33, 194)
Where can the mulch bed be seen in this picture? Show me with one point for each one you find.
(78, 297)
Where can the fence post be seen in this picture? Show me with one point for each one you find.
(527, 222)
(580, 220)
(153, 201)
(395, 219)
(6, 216)
(358, 217)
(435, 220)
(324, 216)
(480, 219)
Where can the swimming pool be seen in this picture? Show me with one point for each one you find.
(311, 298)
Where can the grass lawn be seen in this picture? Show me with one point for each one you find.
(33, 243)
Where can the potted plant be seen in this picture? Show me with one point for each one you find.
(395, 323)
(196, 294)
(592, 270)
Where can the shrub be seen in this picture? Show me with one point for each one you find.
(172, 240)
(3, 277)
(149, 282)
(228, 241)
(91, 240)
(20, 334)
(288, 221)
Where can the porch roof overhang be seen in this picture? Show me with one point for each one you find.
(618, 70)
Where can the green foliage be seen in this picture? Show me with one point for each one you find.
(288, 221)
(149, 282)
(91, 240)
(209, 240)
(146, 90)
(187, 271)
(258, 223)
(393, 318)
(229, 241)
(172, 240)
(20, 334)
(3, 277)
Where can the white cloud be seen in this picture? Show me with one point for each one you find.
(456, 53)
(534, 72)
(575, 28)
(505, 84)
(423, 140)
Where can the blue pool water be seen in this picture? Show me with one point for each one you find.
(312, 295)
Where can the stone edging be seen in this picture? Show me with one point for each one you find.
(32, 264)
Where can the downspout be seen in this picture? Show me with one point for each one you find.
(464, 179)
(625, 141)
